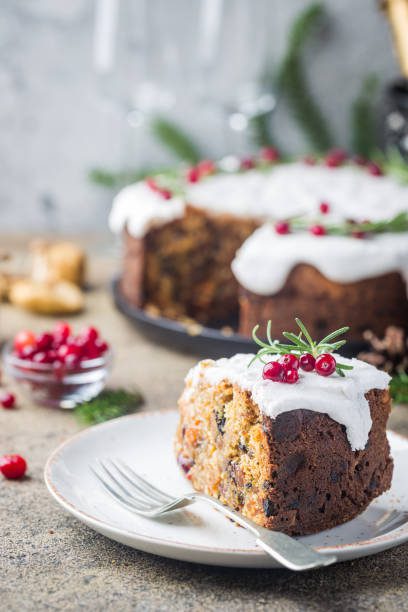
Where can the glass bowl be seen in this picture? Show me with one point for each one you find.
(62, 388)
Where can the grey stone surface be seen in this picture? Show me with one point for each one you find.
(50, 561)
(56, 121)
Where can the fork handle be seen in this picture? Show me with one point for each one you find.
(291, 553)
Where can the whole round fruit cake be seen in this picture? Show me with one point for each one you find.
(259, 238)
(293, 437)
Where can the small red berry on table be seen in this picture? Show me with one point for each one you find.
(307, 362)
(273, 371)
(7, 400)
(282, 227)
(324, 208)
(290, 376)
(289, 361)
(325, 364)
(318, 230)
(13, 466)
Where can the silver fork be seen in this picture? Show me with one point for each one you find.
(140, 497)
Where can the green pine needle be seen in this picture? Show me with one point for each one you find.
(363, 119)
(109, 404)
(173, 138)
(293, 84)
(115, 180)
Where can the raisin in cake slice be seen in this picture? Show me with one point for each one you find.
(297, 456)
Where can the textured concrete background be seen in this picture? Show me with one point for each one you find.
(56, 122)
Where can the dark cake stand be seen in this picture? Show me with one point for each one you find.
(196, 339)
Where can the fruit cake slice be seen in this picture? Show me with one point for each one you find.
(297, 444)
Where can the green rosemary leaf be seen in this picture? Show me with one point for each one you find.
(268, 331)
(340, 372)
(334, 334)
(305, 332)
(296, 340)
(175, 139)
(109, 404)
(343, 366)
(257, 340)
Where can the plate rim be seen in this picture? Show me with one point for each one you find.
(398, 535)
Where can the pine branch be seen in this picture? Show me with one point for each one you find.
(114, 180)
(363, 119)
(399, 388)
(293, 83)
(109, 404)
(173, 138)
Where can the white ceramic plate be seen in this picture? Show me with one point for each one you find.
(199, 534)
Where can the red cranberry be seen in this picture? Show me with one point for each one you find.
(90, 334)
(289, 361)
(24, 339)
(13, 466)
(318, 230)
(193, 175)
(44, 341)
(7, 400)
(28, 352)
(101, 346)
(374, 169)
(359, 160)
(51, 355)
(282, 227)
(309, 160)
(72, 361)
(247, 163)
(166, 194)
(324, 208)
(68, 349)
(307, 362)
(290, 376)
(205, 167)
(151, 182)
(62, 331)
(325, 364)
(335, 158)
(270, 154)
(358, 234)
(273, 371)
(41, 357)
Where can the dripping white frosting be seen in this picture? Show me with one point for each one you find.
(343, 399)
(265, 260)
(281, 192)
(138, 208)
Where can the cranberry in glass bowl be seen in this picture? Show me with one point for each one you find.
(56, 368)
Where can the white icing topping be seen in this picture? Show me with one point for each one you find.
(265, 260)
(285, 190)
(139, 208)
(341, 398)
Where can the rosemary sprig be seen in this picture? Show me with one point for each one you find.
(398, 223)
(300, 343)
